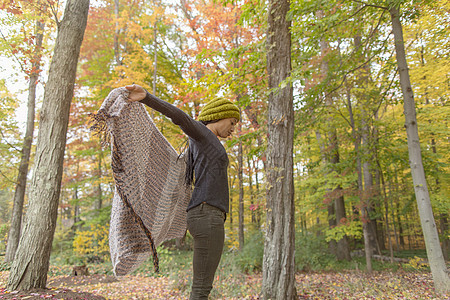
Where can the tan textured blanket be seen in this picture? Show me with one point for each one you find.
(150, 200)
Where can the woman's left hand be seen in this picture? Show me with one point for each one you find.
(137, 92)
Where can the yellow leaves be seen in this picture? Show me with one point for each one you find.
(416, 263)
(428, 53)
(232, 238)
(92, 241)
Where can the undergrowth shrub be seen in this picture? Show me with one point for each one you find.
(311, 253)
(249, 260)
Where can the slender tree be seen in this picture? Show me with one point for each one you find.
(330, 154)
(21, 183)
(241, 189)
(30, 266)
(434, 252)
(278, 259)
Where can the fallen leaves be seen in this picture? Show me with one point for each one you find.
(343, 285)
(360, 285)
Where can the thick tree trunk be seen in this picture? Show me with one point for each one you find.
(434, 252)
(278, 259)
(30, 266)
(19, 194)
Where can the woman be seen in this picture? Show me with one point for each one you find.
(207, 170)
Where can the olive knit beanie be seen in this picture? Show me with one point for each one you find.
(218, 109)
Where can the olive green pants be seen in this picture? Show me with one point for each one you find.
(206, 225)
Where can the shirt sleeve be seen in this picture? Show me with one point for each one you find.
(189, 126)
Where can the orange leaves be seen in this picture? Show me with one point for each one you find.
(11, 6)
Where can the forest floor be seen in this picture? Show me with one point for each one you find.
(325, 285)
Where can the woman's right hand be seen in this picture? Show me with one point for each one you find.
(137, 92)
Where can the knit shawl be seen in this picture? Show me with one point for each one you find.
(150, 199)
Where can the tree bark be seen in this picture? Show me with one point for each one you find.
(434, 252)
(30, 266)
(19, 194)
(278, 259)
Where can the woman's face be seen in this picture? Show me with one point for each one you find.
(225, 127)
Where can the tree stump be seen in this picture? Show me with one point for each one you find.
(80, 271)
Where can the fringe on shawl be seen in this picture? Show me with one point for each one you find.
(98, 126)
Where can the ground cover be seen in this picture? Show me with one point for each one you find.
(322, 285)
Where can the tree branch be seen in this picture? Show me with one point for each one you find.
(356, 68)
(13, 54)
(6, 142)
(12, 181)
(371, 5)
(54, 10)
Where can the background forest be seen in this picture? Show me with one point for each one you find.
(351, 163)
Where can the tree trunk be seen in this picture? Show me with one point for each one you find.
(278, 259)
(241, 192)
(330, 157)
(434, 252)
(19, 194)
(117, 55)
(380, 233)
(391, 196)
(357, 141)
(99, 201)
(258, 213)
(368, 185)
(230, 213)
(155, 57)
(365, 181)
(30, 266)
(343, 249)
(386, 213)
(76, 211)
(445, 239)
(251, 192)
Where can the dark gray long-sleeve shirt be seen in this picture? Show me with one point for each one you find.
(210, 160)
